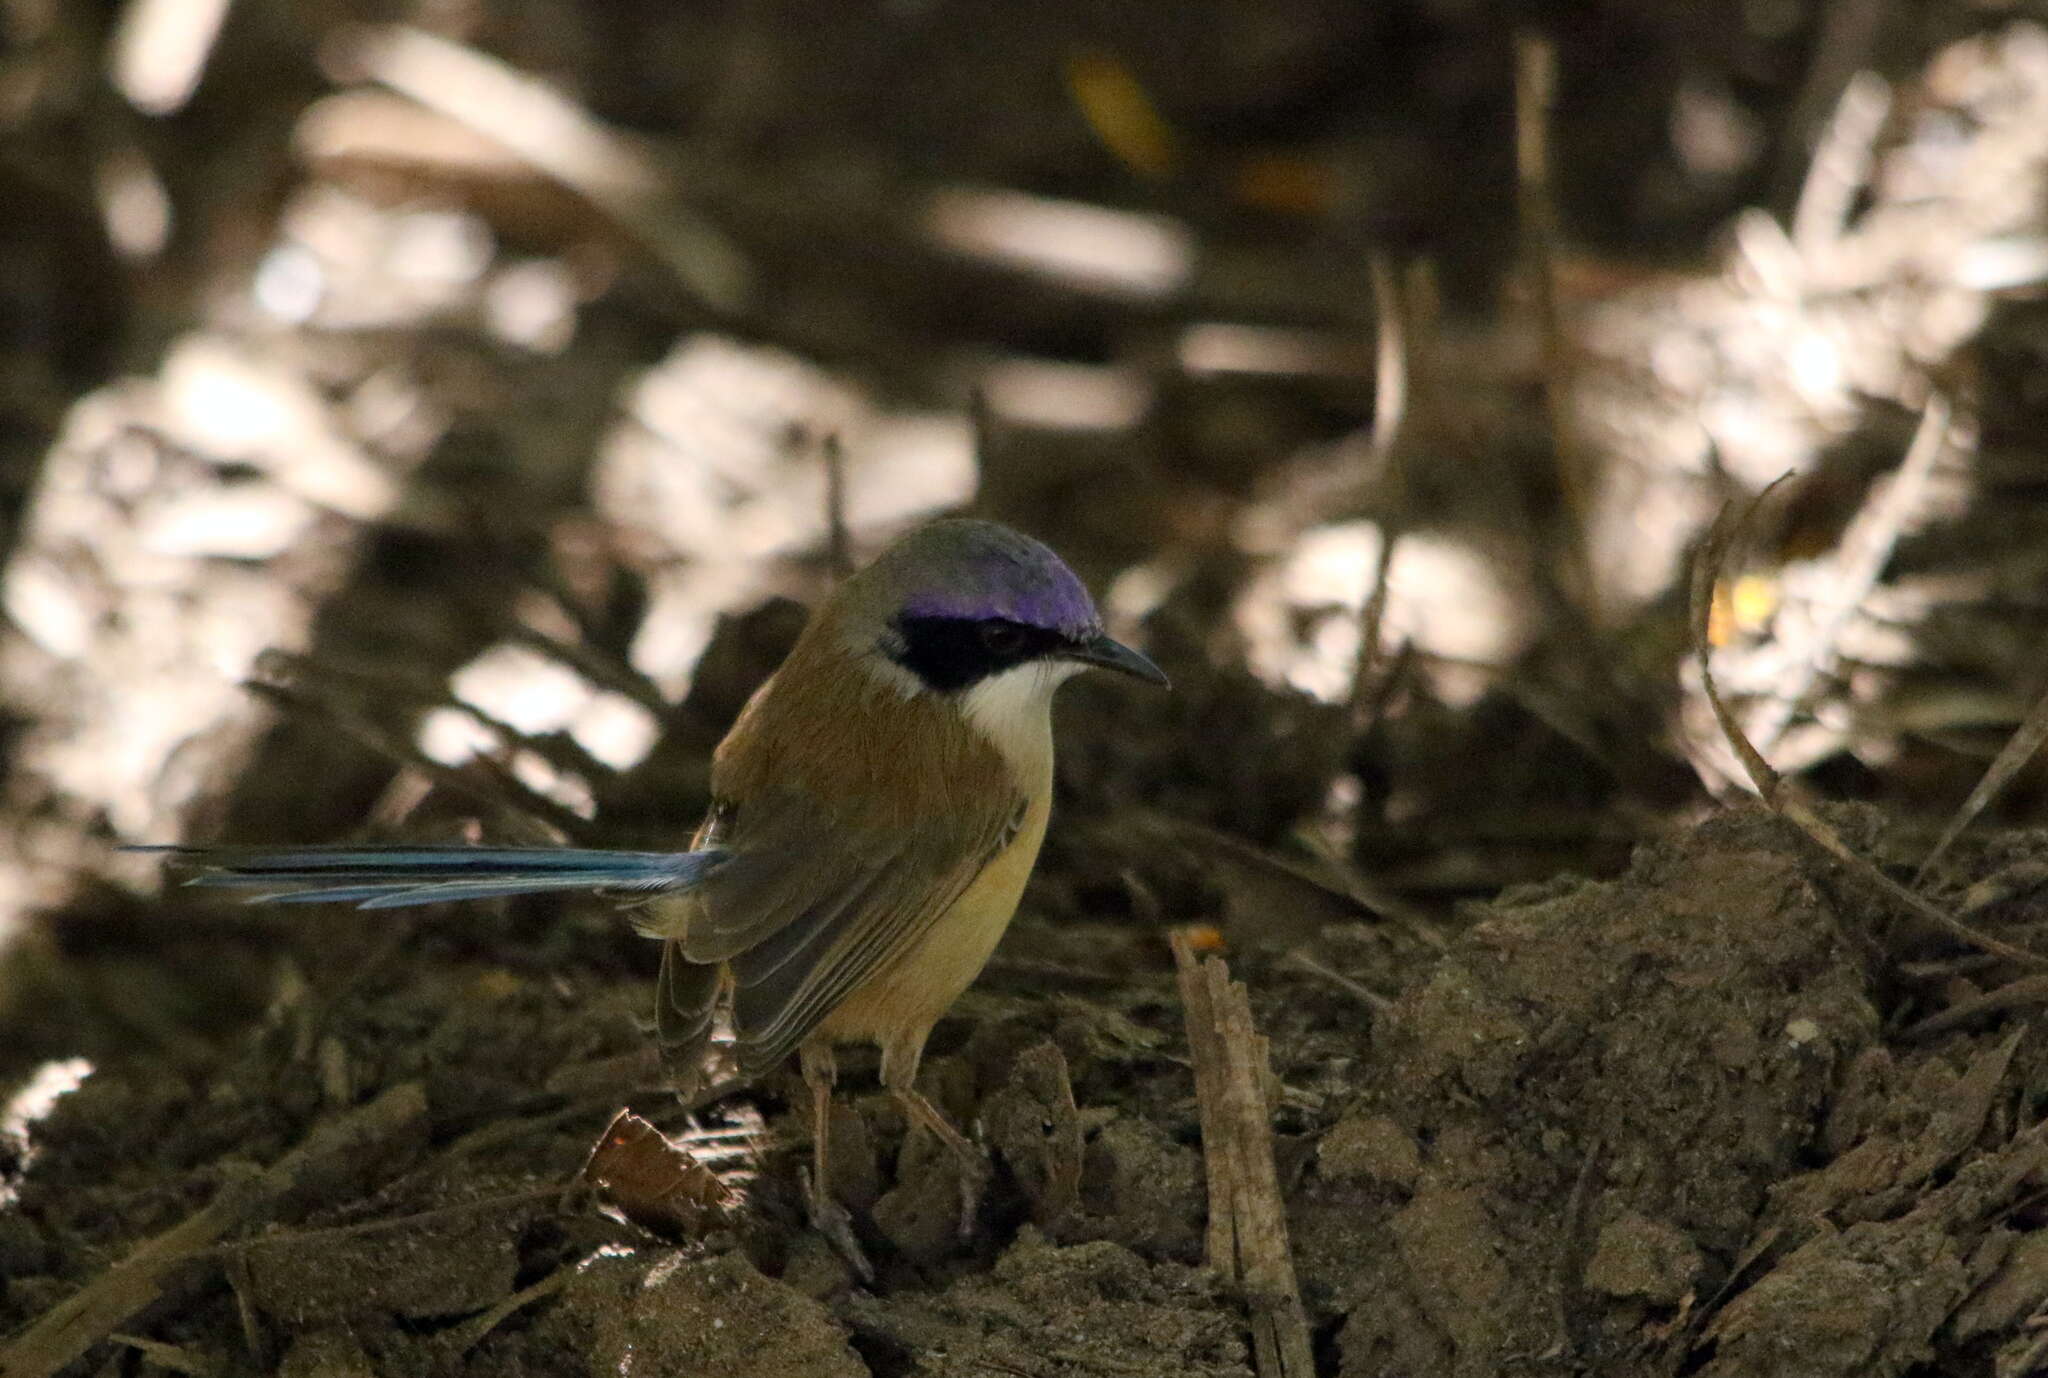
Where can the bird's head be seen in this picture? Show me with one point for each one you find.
(961, 606)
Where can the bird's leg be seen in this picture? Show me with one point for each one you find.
(920, 1110)
(899, 1071)
(828, 1217)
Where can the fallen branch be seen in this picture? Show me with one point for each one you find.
(1247, 1218)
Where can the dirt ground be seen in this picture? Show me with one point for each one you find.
(1664, 1123)
(414, 476)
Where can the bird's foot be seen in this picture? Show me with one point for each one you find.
(835, 1224)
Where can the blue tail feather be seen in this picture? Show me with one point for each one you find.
(392, 877)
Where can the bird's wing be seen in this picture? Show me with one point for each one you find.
(686, 996)
(811, 903)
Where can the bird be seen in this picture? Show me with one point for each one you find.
(877, 808)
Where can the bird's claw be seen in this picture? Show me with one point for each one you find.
(835, 1223)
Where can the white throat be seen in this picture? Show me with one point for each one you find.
(1013, 710)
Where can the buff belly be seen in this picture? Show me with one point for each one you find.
(904, 1000)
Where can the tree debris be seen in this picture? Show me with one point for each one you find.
(1247, 1217)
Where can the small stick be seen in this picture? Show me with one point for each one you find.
(473, 1331)
(2017, 751)
(1571, 1246)
(1389, 417)
(1247, 1217)
(1365, 995)
(561, 139)
(1390, 355)
(1841, 164)
(1535, 90)
(2027, 990)
(516, 797)
(1847, 38)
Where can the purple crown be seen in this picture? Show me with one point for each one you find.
(979, 569)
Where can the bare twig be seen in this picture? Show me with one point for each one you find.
(1770, 786)
(255, 1338)
(1390, 355)
(516, 798)
(175, 1358)
(2014, 995)
(329, 1162)
(1535, 89)
(839, 543)
(1389, 417)
(1247, 1217)
(1706, 573)
(472, 1332)
(1571, 1245)
(600, 668)
(1365, 995)
(1849, 30)
(563, 140)
(1841, 165)
(2017, 751)
(1866, 548)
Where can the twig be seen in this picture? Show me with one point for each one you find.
(1357, 990)
(275, 1239)
(1390, 355)
(1247, 1217)
(839, 544)
(564, 141)
(2030, 1362)
(1535, 89)
(604, 670)
(1571, 1247)
(2014, 995)
(254, 1337)
(1355, 885)
(1389, 418)
(176, 1358)
(2017, 751)
(1768, 784)
(326, 1164)
(472, 1332)
(1840, 166)
(521, 800)
(1866, 548)
(1847, 38)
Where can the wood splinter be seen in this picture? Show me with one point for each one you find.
(1247, 1241)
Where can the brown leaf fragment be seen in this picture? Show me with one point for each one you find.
(654, 1181)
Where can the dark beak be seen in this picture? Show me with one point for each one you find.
(1107, 653)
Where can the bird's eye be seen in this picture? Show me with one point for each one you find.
(1003, 638)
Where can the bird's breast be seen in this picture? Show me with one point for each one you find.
(912, 993)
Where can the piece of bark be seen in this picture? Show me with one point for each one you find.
(1247, 1217)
